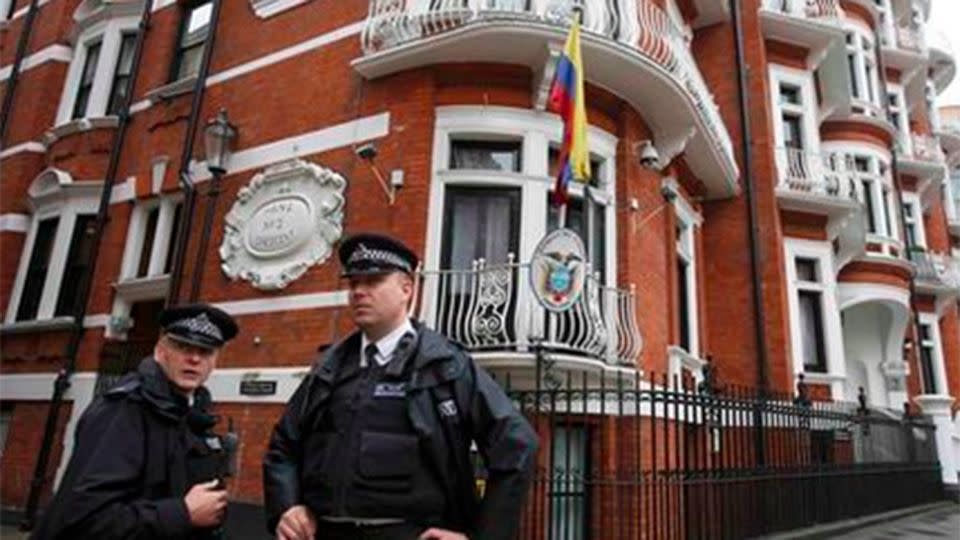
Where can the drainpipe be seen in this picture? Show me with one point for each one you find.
(186, 180)
(11, 85)
(898, 187)
(62, 382)
(763, 378)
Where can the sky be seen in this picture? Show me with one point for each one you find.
(945, 18)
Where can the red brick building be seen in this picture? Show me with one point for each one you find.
(797, 220)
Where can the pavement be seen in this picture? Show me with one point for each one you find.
(942, 522)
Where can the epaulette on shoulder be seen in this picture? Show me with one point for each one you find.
(123, 388)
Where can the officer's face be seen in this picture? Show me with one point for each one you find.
(187, 366)
(378, 303)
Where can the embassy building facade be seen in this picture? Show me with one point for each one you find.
(772, 231)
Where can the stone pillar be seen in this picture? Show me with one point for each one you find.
(938, 407)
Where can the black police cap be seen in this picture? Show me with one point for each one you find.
(370, 253)
(201, 325)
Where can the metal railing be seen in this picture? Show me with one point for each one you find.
(829, 173)
(664, 457)
(926, 148)
(936, 268)
(491, 307)
(813, 9)
(640, 24)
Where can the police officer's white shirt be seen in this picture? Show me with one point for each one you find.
(386, 345)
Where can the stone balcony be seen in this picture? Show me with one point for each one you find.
(631, 47)
(936, 274)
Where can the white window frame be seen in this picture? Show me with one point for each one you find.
(930, 98)
(807, 110)
(931, 321)
(903, 130)
(822, 253)
(884, 204)
(690, 221)
(912, 200)
(52, 193)
(161, 239)
(864, 53)
(537, 131)
(110, 35)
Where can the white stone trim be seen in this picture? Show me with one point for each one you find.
(23, 11)
(268, 8)
(292, 302)
(160, 4)
(31, 146)
(53, 53)
(14, 223)
(822, 252)
(286, 53)
(313, 142)
(686, 247)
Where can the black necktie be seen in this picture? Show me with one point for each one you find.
(369, 355)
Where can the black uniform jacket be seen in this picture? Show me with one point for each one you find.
(127, 475)
(441, 371)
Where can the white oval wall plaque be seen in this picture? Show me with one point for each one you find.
(285, 221)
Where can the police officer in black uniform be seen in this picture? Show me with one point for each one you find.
(375, 443)
(146, 463)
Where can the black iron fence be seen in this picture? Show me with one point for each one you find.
(671, 457)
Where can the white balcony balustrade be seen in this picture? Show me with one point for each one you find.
(628, 45)
(813, 9)
(926, 148)
(490, 308)
(910, 38)
(825, 174)
(936, 270)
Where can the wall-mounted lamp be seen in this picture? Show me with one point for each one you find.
(368, 152)
(648, 155)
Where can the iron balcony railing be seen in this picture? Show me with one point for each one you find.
(640, 24)
(491, 308)
(812, 9)
(829, 173)
(926, 148)
(942, 271)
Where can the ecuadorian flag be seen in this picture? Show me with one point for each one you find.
(566, 99)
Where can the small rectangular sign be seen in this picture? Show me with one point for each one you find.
(258, 388)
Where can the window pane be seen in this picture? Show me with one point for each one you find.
(789, 94)
(81, 245)
(190, 60)
(683, 303)
(807, 269)
(553, 166)
(486, 155)
(86, 80)
(852, 66)
(37, 269)
(150, 233)
(868, 202)
(926, 366)
(481, 224)
(811, 332)
(121, 76)
(174, 231)
(198, 19)
(792, 131)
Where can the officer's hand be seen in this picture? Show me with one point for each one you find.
(206, 504)
(297, 523)
(442, 534)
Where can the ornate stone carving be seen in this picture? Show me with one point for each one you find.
(285, 221)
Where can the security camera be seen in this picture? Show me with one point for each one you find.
(367, 151)
(649, 158)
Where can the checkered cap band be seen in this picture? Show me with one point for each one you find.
(201, 324)
(364, 255)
